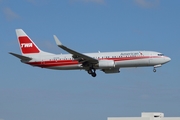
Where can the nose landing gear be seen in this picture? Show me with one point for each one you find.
(159, 65)
(154, 70)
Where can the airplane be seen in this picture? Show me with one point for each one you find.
(108, 62)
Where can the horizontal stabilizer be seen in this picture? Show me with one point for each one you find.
(24, 58)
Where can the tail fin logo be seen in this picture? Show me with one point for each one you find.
(26, 45)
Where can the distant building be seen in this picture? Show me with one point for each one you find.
(146, 116)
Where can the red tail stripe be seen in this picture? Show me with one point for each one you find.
(27, 46)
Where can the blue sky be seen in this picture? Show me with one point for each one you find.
(89, 26)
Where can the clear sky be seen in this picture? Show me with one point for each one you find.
(30, 93)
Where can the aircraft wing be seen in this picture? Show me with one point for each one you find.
(83, 58)
(24, 58)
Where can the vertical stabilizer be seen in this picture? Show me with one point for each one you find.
(27, 46)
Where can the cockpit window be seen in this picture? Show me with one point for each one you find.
(160, 54)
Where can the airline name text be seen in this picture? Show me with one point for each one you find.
(130, 54)
(26, 45)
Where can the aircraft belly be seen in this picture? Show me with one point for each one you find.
(132, 63)
(67, 67)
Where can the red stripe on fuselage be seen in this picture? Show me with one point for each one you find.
(46, 64)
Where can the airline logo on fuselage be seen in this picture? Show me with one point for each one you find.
(26, 45)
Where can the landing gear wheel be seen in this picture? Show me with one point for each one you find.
(154, 70)
(93, 74)
(90, 71)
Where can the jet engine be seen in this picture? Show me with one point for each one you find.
(106, 64)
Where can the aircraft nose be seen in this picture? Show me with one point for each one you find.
(168, 59)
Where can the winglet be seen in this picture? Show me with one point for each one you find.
(57, 41)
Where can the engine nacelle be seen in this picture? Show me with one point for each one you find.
(106, 64)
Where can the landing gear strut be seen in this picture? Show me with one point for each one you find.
(92, 71)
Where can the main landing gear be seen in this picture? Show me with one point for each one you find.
(92, 71)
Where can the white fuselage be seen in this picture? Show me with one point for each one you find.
(121, 59)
